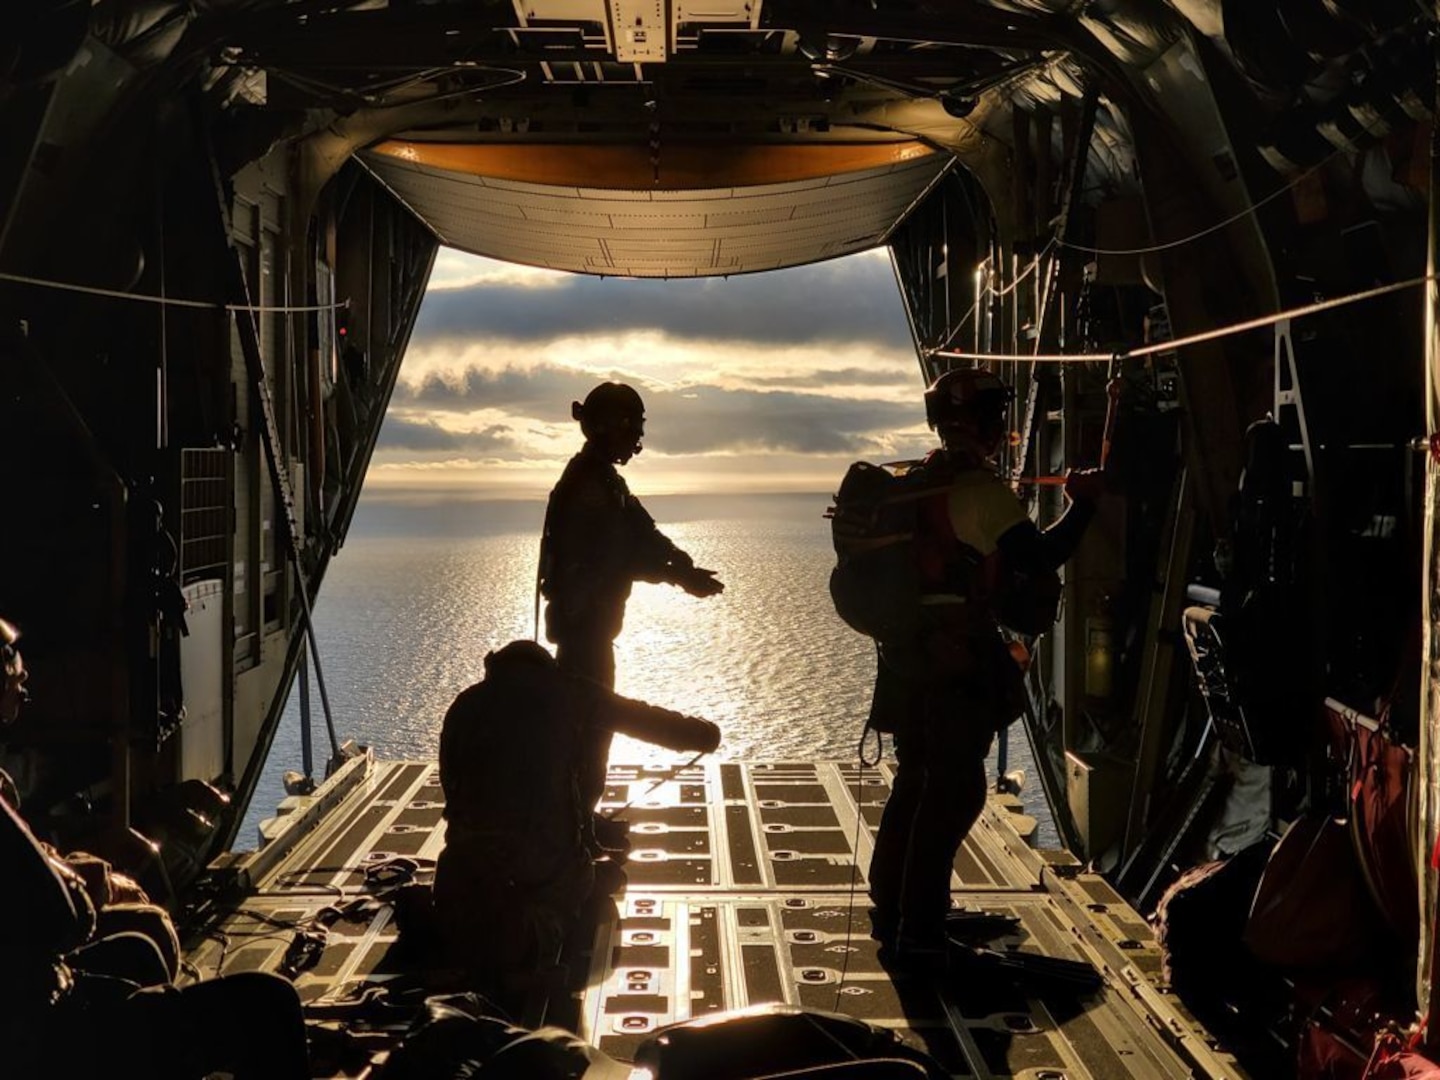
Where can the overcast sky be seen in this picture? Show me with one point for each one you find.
(761, 382)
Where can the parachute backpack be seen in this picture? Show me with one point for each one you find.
(876, 581)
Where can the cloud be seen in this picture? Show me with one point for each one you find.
(542, 392)
(456, 270)
(695, 419)
(649, 358)
(704, 420)
(399, 432)
(847, 300)
(851, 376)
(770, 382)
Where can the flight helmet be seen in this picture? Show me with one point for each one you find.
(612, 415)
(966, 395)
(522, 653)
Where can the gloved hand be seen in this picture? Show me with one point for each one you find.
(1084, 485)
(698, 581)
(707, 738)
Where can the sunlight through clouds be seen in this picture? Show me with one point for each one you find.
(457, 270)
(657, 360)
(770, 382)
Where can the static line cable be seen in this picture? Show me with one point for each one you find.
(1193, 339)
(1211, 229)
(670, 775)
(170, 301)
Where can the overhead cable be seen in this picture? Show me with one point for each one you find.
(170, 301)
(368, 96)
(1055, 241)
(1153, 248)
(1193, 339)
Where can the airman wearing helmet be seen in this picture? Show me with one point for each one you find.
(945, 692)
(612, 417)
(966, 408)
(598, 541)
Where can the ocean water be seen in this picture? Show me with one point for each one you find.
(419, 594)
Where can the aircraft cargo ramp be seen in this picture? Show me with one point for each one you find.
(742, 888)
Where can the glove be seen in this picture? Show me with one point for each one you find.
(1084, 485)
(706, 737)
(699, 582)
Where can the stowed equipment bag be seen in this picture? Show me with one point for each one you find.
(876, 581)
(884, 527)
(782, 1040)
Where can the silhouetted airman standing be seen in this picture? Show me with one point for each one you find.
(598, 542)
(947, 689)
